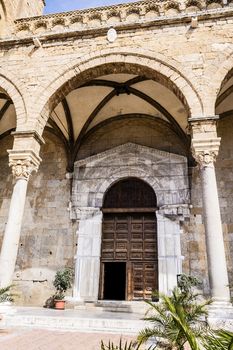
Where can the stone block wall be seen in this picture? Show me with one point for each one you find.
(136, 129)
(5, 182)
(224, 171)
(23, 8)
(48, 239)
(71, 55)
(200, 55)
(10, 10)
(48, 236)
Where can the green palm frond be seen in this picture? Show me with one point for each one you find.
(125, 346)
(6, 294)
(178, 318)
(221, 340)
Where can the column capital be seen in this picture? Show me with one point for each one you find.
(24, 157)
(205, 150)
(205, 142)
(23, 163)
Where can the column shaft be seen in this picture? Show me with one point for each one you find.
(23, 162)
(11, 238)
(205, 147)
(214, 236)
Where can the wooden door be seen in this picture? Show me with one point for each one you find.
(132, 238)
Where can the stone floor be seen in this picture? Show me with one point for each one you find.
(36, 328)
(37, 339)
(47, 329)
(90, 321)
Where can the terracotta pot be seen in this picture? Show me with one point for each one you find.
(59, 304)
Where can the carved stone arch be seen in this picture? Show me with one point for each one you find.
(216, 78)
(130, 192)
(94, 175)
(7, 84)
(143, 60)
(123, 174)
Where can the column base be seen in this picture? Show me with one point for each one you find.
(6, 309)
(221, 315)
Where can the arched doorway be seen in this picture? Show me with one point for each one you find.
(129, 255)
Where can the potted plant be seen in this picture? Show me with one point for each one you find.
(62, 282)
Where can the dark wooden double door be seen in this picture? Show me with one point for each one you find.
(129, 259)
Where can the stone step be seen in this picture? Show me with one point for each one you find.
(75, 320)
(137, 307)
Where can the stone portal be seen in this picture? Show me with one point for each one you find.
(129, 254)
(114, 202)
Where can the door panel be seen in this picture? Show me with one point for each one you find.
(132, 238)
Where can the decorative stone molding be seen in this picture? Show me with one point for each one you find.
(167, 175)
(178, 211)
(118, 15)
(23, 164)
(85, 213)
(165, 172)
(205, 143)
(205, 157)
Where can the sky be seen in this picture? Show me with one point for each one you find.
(53, 6)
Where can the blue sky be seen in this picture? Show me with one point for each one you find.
(53, 6)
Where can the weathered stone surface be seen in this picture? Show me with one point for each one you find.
(47, 237)
(155, 42)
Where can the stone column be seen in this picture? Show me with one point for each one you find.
(22, 164)
(205, 146)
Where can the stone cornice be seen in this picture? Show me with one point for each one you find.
(122, 17)
(202, 119)
(26, 134)
(83, 213)
(129, 146)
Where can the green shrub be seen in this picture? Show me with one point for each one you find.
(62, 282)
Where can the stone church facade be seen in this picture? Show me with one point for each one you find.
(116, 148)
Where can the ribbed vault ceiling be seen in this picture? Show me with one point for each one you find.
(109, 97)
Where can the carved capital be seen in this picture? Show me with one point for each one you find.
(205, 142)
(23, 164)
(205, 157)
(206, 151)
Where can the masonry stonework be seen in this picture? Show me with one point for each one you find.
(68, 96)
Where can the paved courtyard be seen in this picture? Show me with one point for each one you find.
(21, 339)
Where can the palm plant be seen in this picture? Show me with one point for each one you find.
(6, 294)
(177, 319)
(125, 346)
(220, 339)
